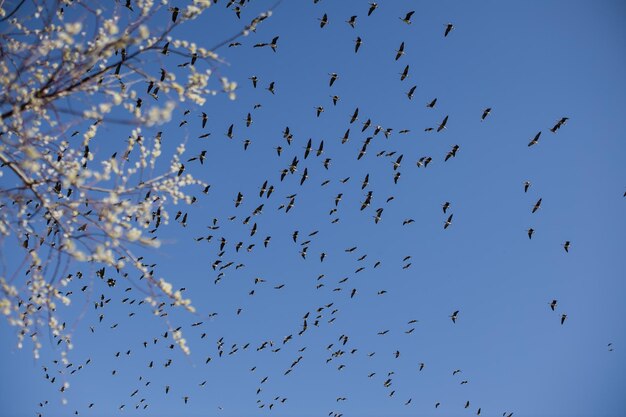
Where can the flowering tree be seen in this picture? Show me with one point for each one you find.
(62, 202)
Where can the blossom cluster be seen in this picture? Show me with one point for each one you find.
(60, 200)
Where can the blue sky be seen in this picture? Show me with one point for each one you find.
(532, 62)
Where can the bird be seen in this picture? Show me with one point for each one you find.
(397, 162)
(323, 20)
(566, 245)
(410, 93)
(407, 18)
(373, 7)
(442, 125)
(486, 113)
(553, 304)
(239, 199)
(404, 73)
(174, 11)
(352, 21)
(333, 78)
(229, 133)
(378, 215)
(448, 222)
(535, 140)
(357, 44)
(400, 51)
(355, 116)
(320, 149)
(452, 152)
(449, 28)
(445, 206)
(454, 316)
(432, 103)
(273, 44)
(558, 124)
(527, 185)
(563, 317)
(537, 205)
(530, 232)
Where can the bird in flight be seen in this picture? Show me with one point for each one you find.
(559, 124)
(454, 316)
(553, 304)
(443, 124)
(537, 205)
(333, 78)
(373, 6)
(527, 185)
(535, 140)
(273, 44)
(410, 93)
(400, 51)
(404, 73)
(323, 20)
(566, 245)
(452, 152)
(449, 28)
(357, 44)
(407, 18)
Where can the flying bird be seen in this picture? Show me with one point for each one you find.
(357, 44)
(239, 199)
(449, 28)
(527, 185)
(558, 124)
(333, 78)
(404, 73)
(537, 205)
(410, 93)
(566, 245)
(373, 7)
(535, 140)
(273, 44)
(452, 152)
(407, 18)
(443, 123)
(553, 304)
(323, 20)
(400, 51)
(454, 316)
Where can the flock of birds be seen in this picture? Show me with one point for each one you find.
(248, 210)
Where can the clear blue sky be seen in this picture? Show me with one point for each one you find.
(532, 62)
